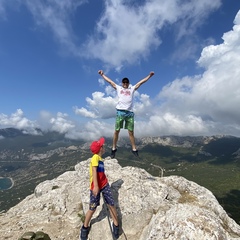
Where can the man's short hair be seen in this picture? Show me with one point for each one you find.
(126, 80)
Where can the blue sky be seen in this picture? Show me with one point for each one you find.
(51, 51)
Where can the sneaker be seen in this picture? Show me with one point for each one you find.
(113, 153)
(84, 233)
(115, 231)
(135, 152)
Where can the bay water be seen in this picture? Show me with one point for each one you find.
(5, 183)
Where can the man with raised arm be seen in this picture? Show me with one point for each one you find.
(125, 114)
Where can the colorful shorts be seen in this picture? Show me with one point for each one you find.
(126, 117)
(95, 200)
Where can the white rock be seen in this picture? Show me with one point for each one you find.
(149, 208)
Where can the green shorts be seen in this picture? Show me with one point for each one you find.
(125, 118)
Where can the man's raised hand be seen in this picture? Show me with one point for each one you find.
(100, 72)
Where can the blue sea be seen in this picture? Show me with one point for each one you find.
(5, 183)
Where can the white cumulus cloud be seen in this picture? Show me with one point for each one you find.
(132, 38)
(125, 32)
(19, 121)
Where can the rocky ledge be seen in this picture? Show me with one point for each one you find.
(170, 208)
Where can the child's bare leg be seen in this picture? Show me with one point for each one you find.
(113, 213)
(88, 217)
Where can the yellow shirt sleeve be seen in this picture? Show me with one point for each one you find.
(94, 163)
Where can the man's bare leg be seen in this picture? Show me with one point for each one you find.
(132, 140)
(114, 145)
(115, 139)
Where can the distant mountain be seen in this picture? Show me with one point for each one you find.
(181, 141)
(220, 145)
(10, 132)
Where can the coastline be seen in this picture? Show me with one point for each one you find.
(12, 183)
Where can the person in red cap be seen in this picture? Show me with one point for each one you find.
(99, 184)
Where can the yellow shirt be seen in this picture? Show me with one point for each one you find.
(96, 161)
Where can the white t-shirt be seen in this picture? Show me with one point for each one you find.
(125, 97)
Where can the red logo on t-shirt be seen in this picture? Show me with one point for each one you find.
(125, 92)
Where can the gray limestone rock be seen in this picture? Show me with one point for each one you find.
(149, 208)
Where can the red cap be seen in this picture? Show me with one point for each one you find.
(96, 145)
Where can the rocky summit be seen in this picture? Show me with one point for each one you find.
(148, 207)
